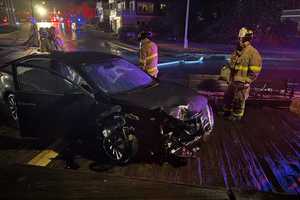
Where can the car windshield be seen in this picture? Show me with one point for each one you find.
(117, 76)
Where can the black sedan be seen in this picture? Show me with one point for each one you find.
(102, 96)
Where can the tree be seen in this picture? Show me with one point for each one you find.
(175, 17)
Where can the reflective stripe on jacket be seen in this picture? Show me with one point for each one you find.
(246, 65)
(148, 57)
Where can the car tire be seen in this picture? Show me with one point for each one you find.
(11, 103)
(120, 148)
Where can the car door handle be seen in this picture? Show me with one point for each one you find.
(26, 104)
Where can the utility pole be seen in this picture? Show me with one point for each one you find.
(186, 42)
(6, 6)
(10, 10)
(32, 10)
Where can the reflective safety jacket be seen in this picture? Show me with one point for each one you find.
(148, 57)
(245, 64)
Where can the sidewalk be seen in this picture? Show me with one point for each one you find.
(8, 39)
(15, 38)
(227, 49)
(204, 48)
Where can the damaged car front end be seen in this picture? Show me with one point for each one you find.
(168, 131)
(170, 123)
(126, 111)
(185, 125)
(159, 116)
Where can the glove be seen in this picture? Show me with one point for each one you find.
(225, 73)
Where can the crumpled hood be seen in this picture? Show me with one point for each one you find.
(164, 95)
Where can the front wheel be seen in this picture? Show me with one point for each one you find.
(120, 146)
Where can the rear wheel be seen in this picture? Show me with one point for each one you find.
(12, 106)
(12, 111)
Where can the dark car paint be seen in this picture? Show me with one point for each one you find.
(76, 59)
(38, 110)
(52, 115)
(46, 114)
(161, 95)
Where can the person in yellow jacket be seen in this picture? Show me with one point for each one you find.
(148, 54)
(245, 65)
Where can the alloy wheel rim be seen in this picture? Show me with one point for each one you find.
(12, 105)
(116, 148)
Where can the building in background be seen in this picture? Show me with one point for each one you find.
(292, 14)
(102, 13)
(3, 14)
(7, 12)
(131, 13)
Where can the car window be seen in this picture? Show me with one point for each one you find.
(39, 80)
(117, 76)
(69, 73)
(39, 62)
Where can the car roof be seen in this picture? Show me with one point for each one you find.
(82, 57)
(72, 58)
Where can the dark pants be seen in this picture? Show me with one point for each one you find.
(235, 98)
(44, 45)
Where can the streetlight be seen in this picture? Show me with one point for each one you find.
(41, 10)
(186, 42)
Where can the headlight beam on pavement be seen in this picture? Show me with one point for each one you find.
(43, 158)
(47, 155)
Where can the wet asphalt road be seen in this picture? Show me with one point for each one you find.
(278, 67)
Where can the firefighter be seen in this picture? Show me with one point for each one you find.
(245, 65)
(54, 41)
(73, 26)
(148, 55)
(44, 40)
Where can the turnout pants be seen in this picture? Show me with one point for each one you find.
(235, 98)
(45, 45)
(152, 71)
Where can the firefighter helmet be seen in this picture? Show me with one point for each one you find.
(246, 34)
(144, 34)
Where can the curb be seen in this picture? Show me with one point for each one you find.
(225, 53)
(6, 35)
(132, 48)
(189, 50)
(124, 46)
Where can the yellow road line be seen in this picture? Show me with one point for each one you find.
(43, 158)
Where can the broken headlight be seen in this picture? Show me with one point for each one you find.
(195, 121)
(181, 112)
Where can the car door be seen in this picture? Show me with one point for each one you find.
(49, 105)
